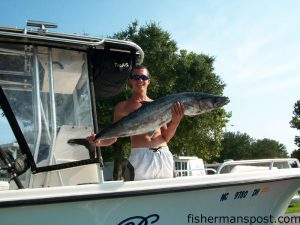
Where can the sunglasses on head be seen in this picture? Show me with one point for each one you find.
(138, 77)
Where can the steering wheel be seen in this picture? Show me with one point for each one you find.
(13, 167)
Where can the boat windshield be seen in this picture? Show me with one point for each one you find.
(47, 88)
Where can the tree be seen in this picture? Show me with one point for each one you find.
(296, 154)
(267, 148)
(295, 122)
(201, 135)
(236, 146)
(175, 71)
(239, 146)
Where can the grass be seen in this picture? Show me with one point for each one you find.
(294, 208)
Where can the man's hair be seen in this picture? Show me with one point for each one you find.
(141, 66)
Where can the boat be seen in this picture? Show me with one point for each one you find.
(49, 83)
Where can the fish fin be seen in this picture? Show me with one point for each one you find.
(82, 141)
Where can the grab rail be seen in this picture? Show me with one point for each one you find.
(269, 162)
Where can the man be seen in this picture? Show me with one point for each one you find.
(150, 155)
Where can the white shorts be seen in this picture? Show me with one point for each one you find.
(150, 163)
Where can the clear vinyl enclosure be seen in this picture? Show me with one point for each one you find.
(47, 88)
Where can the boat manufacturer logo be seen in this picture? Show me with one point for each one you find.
(140, 220)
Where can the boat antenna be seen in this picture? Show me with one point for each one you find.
(42, 25)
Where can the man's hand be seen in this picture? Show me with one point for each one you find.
(100, 143)
(91, 138)
(177, 112)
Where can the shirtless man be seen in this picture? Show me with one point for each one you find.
(150, 155)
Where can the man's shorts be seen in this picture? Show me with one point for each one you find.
(152, 163)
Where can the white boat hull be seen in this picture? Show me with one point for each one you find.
(203, 200)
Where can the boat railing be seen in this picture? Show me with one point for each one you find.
(237, 166)
(259, 163)
(194, 172)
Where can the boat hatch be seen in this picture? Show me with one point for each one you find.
(47, 96)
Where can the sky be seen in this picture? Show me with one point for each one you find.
(255, 43)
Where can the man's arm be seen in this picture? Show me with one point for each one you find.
(118, 114)
(169, 131)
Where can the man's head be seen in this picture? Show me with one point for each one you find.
(139, 76)
(138, 68)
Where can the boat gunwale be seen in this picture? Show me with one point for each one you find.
(138, 192)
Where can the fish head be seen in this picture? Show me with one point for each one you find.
(201, 102)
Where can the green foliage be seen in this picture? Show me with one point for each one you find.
(239, 146)
(294, 208)
(236, 146)
(296, 154)
(295, 122)
(196, 72)
(267, 148)
(174, 71)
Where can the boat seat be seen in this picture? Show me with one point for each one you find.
(4, 185)
(63, 150)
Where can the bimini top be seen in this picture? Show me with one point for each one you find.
(111, 59)
(43, 37)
